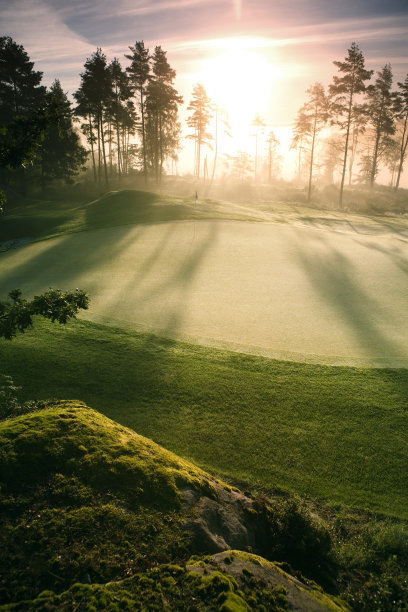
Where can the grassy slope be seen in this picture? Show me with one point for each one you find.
(41, 219)
(335, 433)
(86, 500)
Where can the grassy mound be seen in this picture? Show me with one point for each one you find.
(93, 514)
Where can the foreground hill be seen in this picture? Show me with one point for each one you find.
(96, 517)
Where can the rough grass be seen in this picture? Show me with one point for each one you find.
(331, 432)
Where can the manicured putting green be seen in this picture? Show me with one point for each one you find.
(285, 291)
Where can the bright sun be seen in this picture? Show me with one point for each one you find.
(240, 81)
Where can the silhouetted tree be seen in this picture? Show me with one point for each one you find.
(118, 109)
(60, 155)
(401, 114)
(317, 110)
(139, 73)
(301, 135)
(22, 112)
(358, 127)
(344, 90)
(161, 119)
(380, 115)
(93, 98)
(199, 119)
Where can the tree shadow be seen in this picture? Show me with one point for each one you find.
(335, 278)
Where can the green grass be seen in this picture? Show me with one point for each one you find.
(334, 433)
(41, 219)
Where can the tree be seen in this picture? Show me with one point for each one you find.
(60, 152)
(242, 165)
(358, 127)
(117, 109)
(17, 314)
(316, 110)
(22, 115)
(380, 115)
(259, 125)
(199, 119)
(220, 115)
(401, 113)
(343, 91)
(162, 125)
(93, 98)
(139, 72)
(273, 144)
(301, 135)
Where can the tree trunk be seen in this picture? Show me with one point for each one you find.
(343, 174)
(92, 148)
(143, 136)
(104, 155)
(375, 158)
(309, 192)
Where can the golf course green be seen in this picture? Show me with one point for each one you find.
(282, 291)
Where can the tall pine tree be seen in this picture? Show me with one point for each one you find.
(162, 125)
(61, 155)
(380, 115)
(139, 74)
(22, 109)
(344, 91)
(200, 107)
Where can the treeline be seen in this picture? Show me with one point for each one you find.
(39, 141)
(129, 120)
(369, 123)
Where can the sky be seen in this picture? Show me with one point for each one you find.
(251, 55)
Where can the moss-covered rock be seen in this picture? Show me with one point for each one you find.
(96, 517)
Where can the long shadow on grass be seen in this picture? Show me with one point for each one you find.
(60, 262)
(131, 206)
(335, 279)
(169, 295)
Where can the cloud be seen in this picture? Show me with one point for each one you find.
(51, 44)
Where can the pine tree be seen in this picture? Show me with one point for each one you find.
(401, 113)
(139, 73)
(380, 114)
(117, 110)
(199, 119)
(317, 111)
(301, 135)
(61, 155)
(343, 91)
(162, 125)
(93, 97)
(22, 101)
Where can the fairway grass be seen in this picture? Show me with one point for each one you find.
(334, 433)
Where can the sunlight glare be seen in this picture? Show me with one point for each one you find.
(239, 80)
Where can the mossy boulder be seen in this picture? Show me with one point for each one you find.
(96, 517)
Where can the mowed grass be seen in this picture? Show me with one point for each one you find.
(334, 433)
(41, 219)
